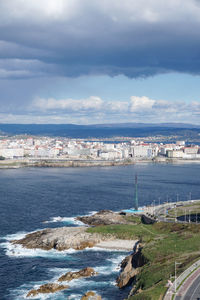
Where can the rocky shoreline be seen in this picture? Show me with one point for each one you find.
(22, 163)
(77, 238)
(62, 238)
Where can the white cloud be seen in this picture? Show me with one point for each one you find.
(90, 104)
(137, 109)
(117, 10)
(141, 104)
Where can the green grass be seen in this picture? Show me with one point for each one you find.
(164, 243)
(192, 208)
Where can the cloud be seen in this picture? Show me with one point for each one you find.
(76, 37)
(141, 104)
(90, 104)
(17, 68)
(137, 109)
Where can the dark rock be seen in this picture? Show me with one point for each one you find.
(60, 239)
(86, 272)
(147, 220)
(47, 288)
(91, 296)
(103, 217)
(129, 267)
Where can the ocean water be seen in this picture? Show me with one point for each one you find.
(36, 198)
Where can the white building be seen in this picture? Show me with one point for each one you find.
(12, 152)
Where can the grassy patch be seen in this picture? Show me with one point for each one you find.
(133, 219)
(164, 243)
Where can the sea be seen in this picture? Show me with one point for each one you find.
(37, 198)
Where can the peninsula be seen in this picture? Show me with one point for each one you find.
(155, 243)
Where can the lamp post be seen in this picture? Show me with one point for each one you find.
(175, 214)
(189, 216)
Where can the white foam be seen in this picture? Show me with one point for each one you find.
(21, 292)
(14, 250)
(91, 213)
(117, 259)
(66, 220)
(115, 263)
(104, 270)
(69, 220)
(74, 296)
(16, 236)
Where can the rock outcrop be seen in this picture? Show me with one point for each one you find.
(148, 220)
(103, 217)
(86, 272)
(91, 296)
(129, 267)
(47, 288)
(62, 238)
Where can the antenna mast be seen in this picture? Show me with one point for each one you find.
(136, 193)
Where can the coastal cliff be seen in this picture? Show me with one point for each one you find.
(79, 238)
(130, 267)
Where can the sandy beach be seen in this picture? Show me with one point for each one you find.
(117, 244)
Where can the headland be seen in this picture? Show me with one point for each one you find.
(155, 243)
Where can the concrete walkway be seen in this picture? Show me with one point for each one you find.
(182, 288)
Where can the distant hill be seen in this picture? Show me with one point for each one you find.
(102, 130)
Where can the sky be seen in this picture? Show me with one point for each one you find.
(94, 62)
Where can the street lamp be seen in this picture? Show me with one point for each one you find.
(175, 214)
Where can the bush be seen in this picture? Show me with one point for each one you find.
(2, 157)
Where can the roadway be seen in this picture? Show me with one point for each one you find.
(192, 290)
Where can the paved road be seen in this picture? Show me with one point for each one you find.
(192, 289)
(185, 283)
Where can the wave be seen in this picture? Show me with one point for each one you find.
(65, 220)
(91, 213)
(69, 220)
(21, 292)
(17, 251)
(16, 236)
(96, 283)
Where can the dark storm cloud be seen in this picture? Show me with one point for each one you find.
(73, 38)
